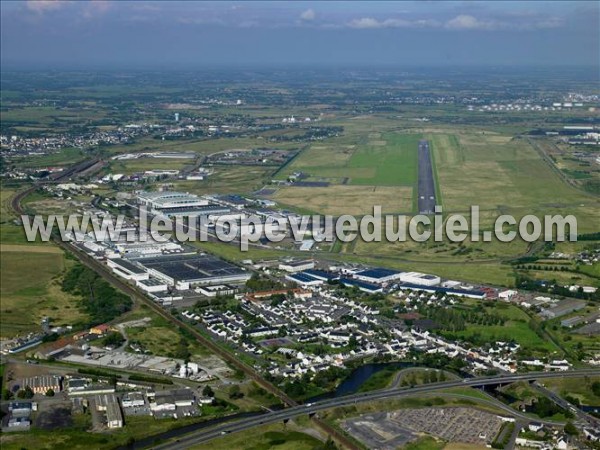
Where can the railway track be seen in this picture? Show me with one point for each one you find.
(106, 274)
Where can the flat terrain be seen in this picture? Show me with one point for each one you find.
(346, 199)
(580, 388)
(378, 159)
(265, 437)
(30, 289)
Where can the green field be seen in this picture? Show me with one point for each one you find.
(378, 159)
(30, 289)
(580, 388)
(515, 328)
(390, 161)
(159, 338)
(265, 438)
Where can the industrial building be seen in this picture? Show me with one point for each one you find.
(215, 291)
(43, 383)
(127, 269)
(321, 274)
(172, 204)
(110, 405)
(159, 201)
(297, 266)
(150, 247)
(186, 271)
(419, 278)
(210, 211)
(378, 275)
(152, 285)
(133, 400)
(469, 293)
(303, 279)
(563, 308)
(170, 400)
(362, 285)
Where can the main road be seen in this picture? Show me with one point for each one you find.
(203, 436)
(103, 271)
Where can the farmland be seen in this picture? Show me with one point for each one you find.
(388, 159)
(26, 299)
(346, 199)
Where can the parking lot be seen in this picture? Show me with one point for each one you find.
(388, 430)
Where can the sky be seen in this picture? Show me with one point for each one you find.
(140, 34)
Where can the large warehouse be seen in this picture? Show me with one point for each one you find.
(166, 200)
(186, 271)
(377, 275)
(420, 278)
(173, 204)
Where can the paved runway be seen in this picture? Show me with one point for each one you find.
(426, 183)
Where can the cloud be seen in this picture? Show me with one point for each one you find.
(523, 23)
(466, 22)
(95, 8)
(42, 6)
(369, 22)
(308, 15)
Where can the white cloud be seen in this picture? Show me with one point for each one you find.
(369, 22)
(524, 22)
(96, 8)
(466, 22)
(42, 6)
(308, 15)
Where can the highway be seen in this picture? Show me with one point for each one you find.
(203, 436)
(102, 270)
(581, 417)
(294, 409)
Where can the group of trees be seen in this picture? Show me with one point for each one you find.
(430, 376)
(544, 407)
(258, 283)
(235, 392)
(529, 284)
(114, 339)
(101, 301)
(457, 319)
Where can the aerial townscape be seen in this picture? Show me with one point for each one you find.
(179, 182)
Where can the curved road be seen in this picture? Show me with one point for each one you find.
(203, 436)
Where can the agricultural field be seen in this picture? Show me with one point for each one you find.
(10, 232)
(27, 299)
(378, 159)
(337, 200)
(63, 157)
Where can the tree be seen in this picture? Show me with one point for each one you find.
(50, 393)
(207, 391)
(113, 339)
(353, 342)
(235, 392)
(182, 351)
(25, 393)
(329, 444)
(6, 394)
(571, 429)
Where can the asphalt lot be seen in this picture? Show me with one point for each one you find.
(426, 183)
